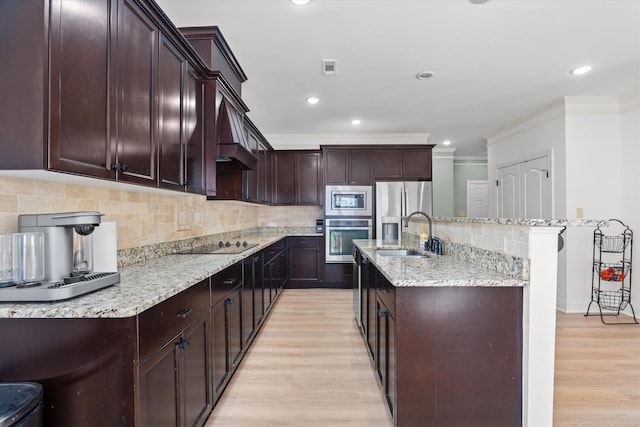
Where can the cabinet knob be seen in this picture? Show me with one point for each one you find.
(184, 343)
(383, 314)
(229, 301)
(119, 167)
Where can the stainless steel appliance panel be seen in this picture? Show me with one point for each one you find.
(418, 197)
(401, 198)
(348, 200)
(339, 236)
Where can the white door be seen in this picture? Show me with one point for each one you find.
(524, 189)
(477, 198)
(509, 192)
(536, 186)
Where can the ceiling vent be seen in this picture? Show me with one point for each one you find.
(329, 67)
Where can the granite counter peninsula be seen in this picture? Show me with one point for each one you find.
(445, 338)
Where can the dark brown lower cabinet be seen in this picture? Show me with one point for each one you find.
(226, 318)
(449, 356)
(385, 350)
(174, 383)
(220, 370)
(166, 366)
(338, 275)
(305, 266)
(274, 271)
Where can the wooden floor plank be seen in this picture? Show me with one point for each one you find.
(309, 367)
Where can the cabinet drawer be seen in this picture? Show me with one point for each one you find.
(273, 250)
(157, 325)
(387, 293)
(225, 281)
(304, 242)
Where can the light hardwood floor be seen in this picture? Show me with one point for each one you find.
(597, 372)
(309, 367)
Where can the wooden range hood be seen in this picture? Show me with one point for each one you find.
(232, 144)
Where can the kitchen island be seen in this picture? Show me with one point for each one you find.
(445, 338)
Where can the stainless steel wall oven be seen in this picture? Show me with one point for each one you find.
(339, 236)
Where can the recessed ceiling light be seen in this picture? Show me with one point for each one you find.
(300, 2)
(312, 99)
(581, 70)
(356, 122)
(446, 142)
(478, 1)
(424, 75)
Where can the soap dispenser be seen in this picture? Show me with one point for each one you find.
(424, 239)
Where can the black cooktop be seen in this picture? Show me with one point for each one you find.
(223, 248)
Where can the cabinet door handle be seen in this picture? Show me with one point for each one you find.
(229, 282)
(182, 314)
(184, 343)
(383, 314)
(229, 301)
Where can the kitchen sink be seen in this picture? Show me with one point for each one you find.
(401, 253)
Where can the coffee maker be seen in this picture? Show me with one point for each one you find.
(68, 257)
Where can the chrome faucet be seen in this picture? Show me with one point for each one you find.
(406, 225)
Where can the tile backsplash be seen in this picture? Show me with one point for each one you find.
(144, 217)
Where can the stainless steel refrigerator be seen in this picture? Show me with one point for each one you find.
(401, 198)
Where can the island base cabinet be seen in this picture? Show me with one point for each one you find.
(385, 363)
(458, 356)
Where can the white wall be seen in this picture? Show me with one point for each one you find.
(463, 171)
(442, 172)
(540, 133)
(595, 154)
(630, 175)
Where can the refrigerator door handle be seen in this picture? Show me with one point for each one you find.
(404, 202)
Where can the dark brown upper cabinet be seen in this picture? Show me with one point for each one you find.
(402, 162)
(114, 93)
(297, 177)
(136, 116)
(180, 141)
(348, 166)
(257, 182)
(82, 79)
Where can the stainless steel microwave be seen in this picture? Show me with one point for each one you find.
(348, 200)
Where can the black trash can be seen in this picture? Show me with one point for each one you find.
(21, 405)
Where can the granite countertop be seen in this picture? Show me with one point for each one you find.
(579, 222)
(437, 270)
(141, 286)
